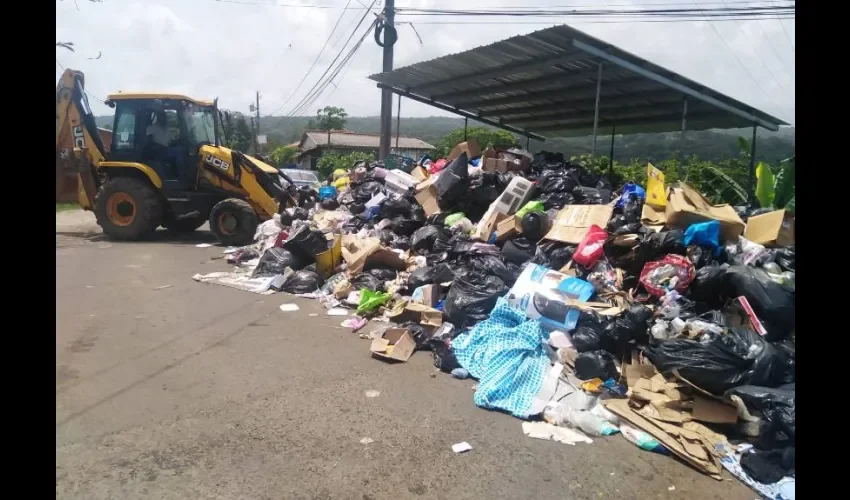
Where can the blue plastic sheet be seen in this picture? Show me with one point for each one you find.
(327, 192)
(506, 354)
(703, 234)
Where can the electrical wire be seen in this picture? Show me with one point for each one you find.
(319, 81)
(621, 21)
(318, 56)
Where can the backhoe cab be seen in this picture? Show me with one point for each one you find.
(166, 167)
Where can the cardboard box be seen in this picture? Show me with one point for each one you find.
(686, 206)
(416, 312)
(773, 228)
(508, 228)
(426, 195)
(573, 222)
(470, 147)
(419, 173)
(502, 165)
(427, 295)
(395, 345)
(715, 412)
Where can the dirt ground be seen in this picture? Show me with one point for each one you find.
(168, 388)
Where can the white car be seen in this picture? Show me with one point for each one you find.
(302, 177)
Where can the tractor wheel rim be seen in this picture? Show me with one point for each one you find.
(228, 223)
(121, 209)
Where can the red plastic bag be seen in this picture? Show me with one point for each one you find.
(658, 276)
(590, 248)
(438, 165)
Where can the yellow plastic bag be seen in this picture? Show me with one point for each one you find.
(655, 194)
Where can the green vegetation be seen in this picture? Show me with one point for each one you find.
(284, 155)
(328, 163)
(485, 137)
(66, 206)
(329, 118)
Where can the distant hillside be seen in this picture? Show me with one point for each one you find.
(711, 145)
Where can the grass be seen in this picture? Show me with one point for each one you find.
(63, 207)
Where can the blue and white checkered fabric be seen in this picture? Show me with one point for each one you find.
(506, 354)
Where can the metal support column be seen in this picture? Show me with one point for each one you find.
(465, 124)
(611, 157)
(387, 94)
(527, 143)
(596, 114)
(398, 123)
(751, 175)
(682, 155)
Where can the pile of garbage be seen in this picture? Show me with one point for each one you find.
(584, 309)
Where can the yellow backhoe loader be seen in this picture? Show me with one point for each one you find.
(165, 167)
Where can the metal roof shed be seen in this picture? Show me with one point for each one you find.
(562, 82)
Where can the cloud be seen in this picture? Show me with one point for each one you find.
(207, 48)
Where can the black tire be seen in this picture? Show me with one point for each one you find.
(234, 222)
(128, 208)
(184, 225)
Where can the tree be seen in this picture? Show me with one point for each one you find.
(284, 155)
(328, 163)
(237, 131)
(485, 137)
(331, 118)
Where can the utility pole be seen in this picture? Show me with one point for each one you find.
(390, 36)
(255, 123)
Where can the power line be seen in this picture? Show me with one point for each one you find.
(318, 82)
(787, 36)
(319, 55)
(621, 21)
(746, 69)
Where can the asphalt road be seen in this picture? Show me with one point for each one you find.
(168, 388)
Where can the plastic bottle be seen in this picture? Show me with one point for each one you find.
(642, 440)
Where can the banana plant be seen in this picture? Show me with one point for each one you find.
(776, 191)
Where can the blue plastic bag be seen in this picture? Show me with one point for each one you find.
(703, 234)
(327, 192)
(628, 190)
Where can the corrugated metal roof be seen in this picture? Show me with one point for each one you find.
(544, 84)
(343, 139)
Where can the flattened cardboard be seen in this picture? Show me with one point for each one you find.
(502, 165)
(771, 229)
(686, 206)
(416, 312)
(650, 216)
(573, 222)
(508, 228)
(399, 339)
(709, 410)
(470, 147)
(357, 251)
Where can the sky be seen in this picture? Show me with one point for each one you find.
(231, 48)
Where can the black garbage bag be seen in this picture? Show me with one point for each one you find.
(556, 200)
(773, 304)
(588, 196)
(286, 218)
(453, 181)
(786, 258)
(417, 213)
(589, 334)
(631, 324)
(772, 366)
(514, 269)
(354, 224)
(440, 345)
(356, 208)
(535, 225)
(393, 207)
(769, 466)
(366, 190)
(329, 204)
(776, 407)
(306, 244)
(552, 181)
(437, 219)
(595, 364)
(300, 214)
(421, 334)
(654, 246)
(405, 226)
(616, 222)
(493, 265)
(275, 260)
(423, 239)
(402, 243)
(387, 237)
(429, 275)
(502, 180)
(367, 280)
(633, 209)
(471, 298)
(519, 250)
(302, 281)
(383, 274)
(720, 363)
(558, 253)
